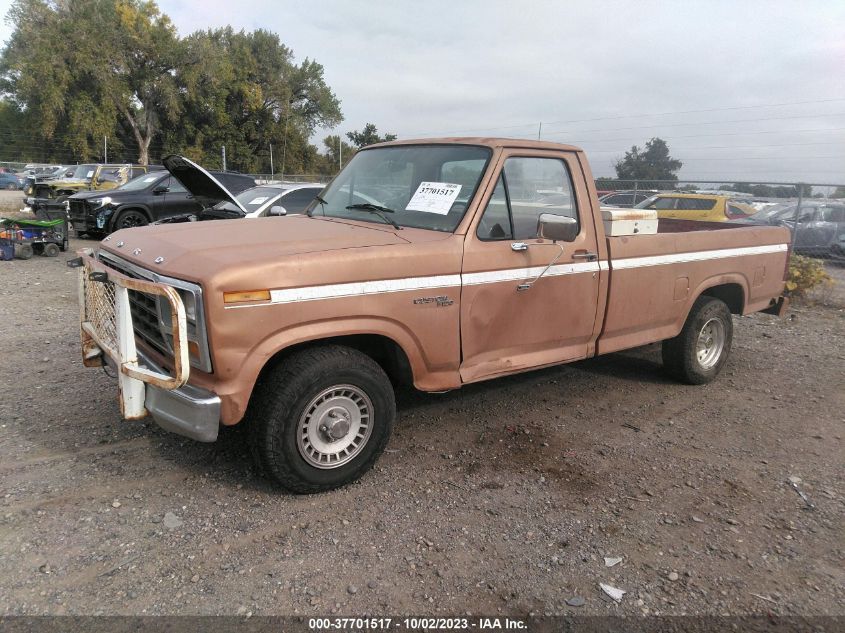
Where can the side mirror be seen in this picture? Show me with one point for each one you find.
(558, 228)
(160, 190)
(278, 210)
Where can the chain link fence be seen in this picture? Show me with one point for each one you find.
(814, 213)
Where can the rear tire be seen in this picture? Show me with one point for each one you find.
(698, 353)
(50, 250)
(321, 418)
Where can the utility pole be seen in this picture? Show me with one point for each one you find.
(106, 149)
(339, 153)
(224, 157)
(272, 173)
(540, 131)
(285, 145)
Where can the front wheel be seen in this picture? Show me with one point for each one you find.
(698, 353)
(321, 418)
(129, 219)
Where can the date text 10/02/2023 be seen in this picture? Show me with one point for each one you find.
(415, 623)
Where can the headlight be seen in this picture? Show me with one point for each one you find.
(98, 203)
(198, 352)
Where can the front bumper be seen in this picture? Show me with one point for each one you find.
(188, 410)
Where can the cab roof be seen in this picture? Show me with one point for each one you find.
(492, 142)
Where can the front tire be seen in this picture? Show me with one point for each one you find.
(129, 219)
(321, 418)
(698, 353)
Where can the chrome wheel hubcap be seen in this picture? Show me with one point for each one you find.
(711, 342)
(335, 426)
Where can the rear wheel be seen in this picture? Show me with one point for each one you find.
(50, 250)
(129, 219)
(12, 186)
(698, 353)
(321, 418)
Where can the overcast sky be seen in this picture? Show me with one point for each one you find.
(739, 90)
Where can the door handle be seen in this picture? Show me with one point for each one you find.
(590, 257)
(519, 246)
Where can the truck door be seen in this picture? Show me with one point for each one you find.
(504, 327)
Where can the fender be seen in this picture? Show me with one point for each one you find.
(713, 282)
(238, 390)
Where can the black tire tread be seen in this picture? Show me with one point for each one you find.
(678, 355)
(280, 388)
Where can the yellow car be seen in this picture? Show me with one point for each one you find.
(697, 206)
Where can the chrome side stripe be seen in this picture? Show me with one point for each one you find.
(519, 274)
(365, 288)
(338, 291)
(699, 256)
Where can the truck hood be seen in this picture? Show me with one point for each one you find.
(197, 251)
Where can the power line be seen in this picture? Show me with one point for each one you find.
(533, 124)
(627, 138)
(662, 125)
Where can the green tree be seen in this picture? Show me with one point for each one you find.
(244, 91)
(368, 136)
(651, 163)
(336, 151)
(85, 69)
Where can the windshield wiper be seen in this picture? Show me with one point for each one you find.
(376, 209)
(322, 202)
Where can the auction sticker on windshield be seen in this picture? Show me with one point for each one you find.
(434, 197)
(258, 200)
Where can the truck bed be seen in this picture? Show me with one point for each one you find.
(655, 278)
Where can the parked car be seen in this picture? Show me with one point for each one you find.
(60, 172)
(697, 206)
(820, 226)
(51, 196)
(275, 199)
(256, 202)
(10, 181)
(426, 262)
(90, 177)
(625, 199)
(146, 199)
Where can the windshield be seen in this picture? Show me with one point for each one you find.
(252, 199)
(420, 186)
(142, 182)
(84, 172)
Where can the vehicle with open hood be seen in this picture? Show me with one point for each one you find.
(434, 263)
(149, 198)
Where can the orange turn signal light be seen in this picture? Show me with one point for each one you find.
(243, 296)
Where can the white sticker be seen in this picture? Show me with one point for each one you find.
(151, 178)
(434, 197)
(90, 174)
(259, 200)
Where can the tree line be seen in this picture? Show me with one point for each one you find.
(82, 78)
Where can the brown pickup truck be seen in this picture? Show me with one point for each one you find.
(434, 263)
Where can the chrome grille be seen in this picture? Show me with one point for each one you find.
(144, 310)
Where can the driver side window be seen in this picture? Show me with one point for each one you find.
(527, 188)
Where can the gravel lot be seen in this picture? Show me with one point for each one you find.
(503, 497)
